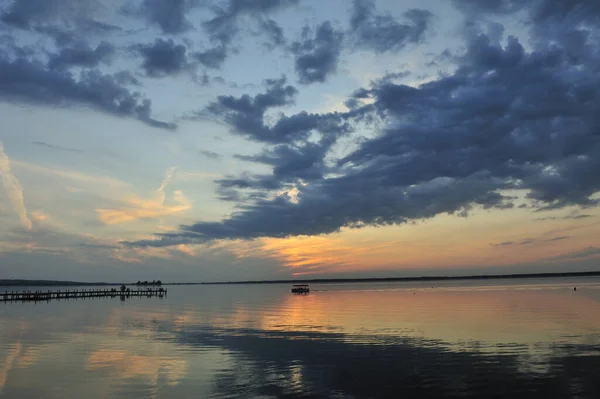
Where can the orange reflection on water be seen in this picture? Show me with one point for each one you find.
(509, 315)
(128, 365)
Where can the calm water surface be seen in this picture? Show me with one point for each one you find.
(532, 338)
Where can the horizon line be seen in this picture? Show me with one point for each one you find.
(21, 282)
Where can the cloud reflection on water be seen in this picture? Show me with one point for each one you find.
(341, 341)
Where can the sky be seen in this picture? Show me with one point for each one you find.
(223, 140)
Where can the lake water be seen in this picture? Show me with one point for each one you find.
(501, 338)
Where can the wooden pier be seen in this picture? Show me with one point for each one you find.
(41, 295)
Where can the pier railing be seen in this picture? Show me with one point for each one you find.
(41, 295)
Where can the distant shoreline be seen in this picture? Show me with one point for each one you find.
(48, 283)
(23, 282)
(422, 278)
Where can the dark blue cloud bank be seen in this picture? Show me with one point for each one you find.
(76, 69)
(508, 114)
(509, 117)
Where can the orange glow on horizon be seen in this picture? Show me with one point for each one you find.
(492, 238)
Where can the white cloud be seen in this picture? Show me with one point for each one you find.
(13, 188)
(140, 208)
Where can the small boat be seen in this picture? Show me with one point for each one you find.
(300, 289)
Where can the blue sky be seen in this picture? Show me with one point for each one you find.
(198, 140)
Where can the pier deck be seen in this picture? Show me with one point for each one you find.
(41, 295)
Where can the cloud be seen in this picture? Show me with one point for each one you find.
(382, 32)
(491, 6)
(274, 33)
(504, 119)
(163, 57)
(326, 206)
(26, 81)
(57, 147)
(586, 253)
(245, 114)
(558, 238)
(530, 241)
(539, 10)
(317, 54)
(581, 216)
(224, 26)
(289, 163)
(39, 216)
(138, 208)
(568, 217)
(210, 154)
(504, 244)
(213, 58)
(13, 189)
(25, 14)
(91, 180)
(169, 15)
(82, 55)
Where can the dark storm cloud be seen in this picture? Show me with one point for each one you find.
(163, 57)
(26, 81)
(505, 119)
(382, 32)
(81, 54)
(317, 54)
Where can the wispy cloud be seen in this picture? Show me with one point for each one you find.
(529, 241)
(189, 176)
(38, 216)
(568, 217)
(210, 154)
(13, 188)
(583, 254)
(70, 174)
(140, 208)
(558, 238)
(57, 147)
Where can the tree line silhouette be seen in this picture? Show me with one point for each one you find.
(153, 282)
